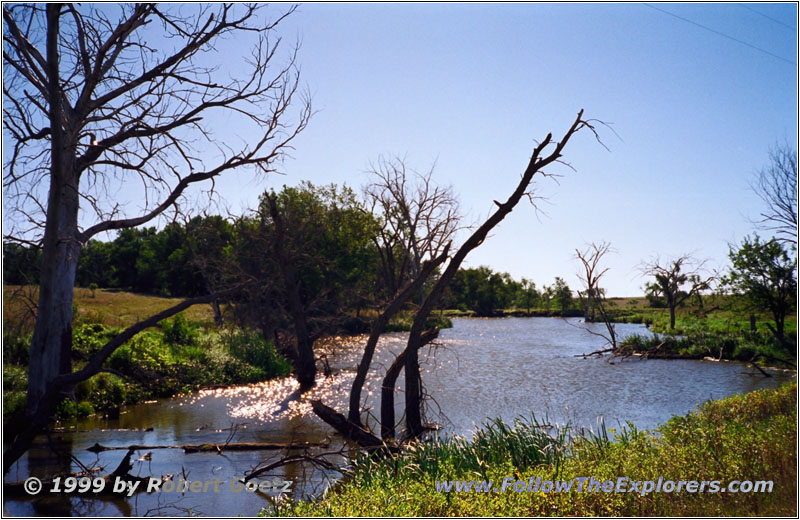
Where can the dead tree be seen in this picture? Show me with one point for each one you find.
(676, 281)
(378, 327)
(776, 186)
(538, 161)
(419, 219)
(90, 105)
(590, 258)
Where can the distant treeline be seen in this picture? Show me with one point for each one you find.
(335, 252)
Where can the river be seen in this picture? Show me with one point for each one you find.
(482, 368)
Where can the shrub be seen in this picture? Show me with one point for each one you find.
(14, 403)
(84, 409)
(251, 347)
(177, 331)
(66, 409)
(16, 349)
(106, 392)
(89, 338)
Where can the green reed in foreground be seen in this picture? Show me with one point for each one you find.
(744, 437)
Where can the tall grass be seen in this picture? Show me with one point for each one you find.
(746, 437)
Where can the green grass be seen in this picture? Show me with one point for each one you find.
(157, 363)
(106, 307)
(745, 437)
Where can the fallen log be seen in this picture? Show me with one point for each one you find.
(219, 448)
(763, 372)
(339, 422)
(595, 353)
(291, 459)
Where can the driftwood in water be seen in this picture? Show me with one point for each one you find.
(595, 353)
(195, 448)
(763, 372)
(651, 353)
(339, 422)
(291, 459)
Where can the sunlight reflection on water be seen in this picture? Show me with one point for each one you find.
(481, 369)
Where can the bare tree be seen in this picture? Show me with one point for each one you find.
(590, 258)
(408, 359)
(98, 98)
(417, 338)
(418, 217)
(676, 280)
(776, 186)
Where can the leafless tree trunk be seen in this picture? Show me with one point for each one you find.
(354, 413)
(590, 258)
(99, 106)
(538, 161)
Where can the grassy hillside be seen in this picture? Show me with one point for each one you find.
(107, 307)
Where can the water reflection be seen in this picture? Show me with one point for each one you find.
(481, 369)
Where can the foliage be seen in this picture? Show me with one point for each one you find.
(703, 445)
(562, 295)
(700, 341)
(156, 364)
(251, 347)
(16, 348)
(325, 240)
(764, 274)
(487, 293)
(177, 331)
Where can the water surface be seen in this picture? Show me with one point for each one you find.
(481, 368)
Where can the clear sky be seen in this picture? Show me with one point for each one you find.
(472, 86)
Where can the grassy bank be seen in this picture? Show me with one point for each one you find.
(106, 307)
(176, 359)
(746, 346)
(719, 314)
(744, 437)
(187, 353)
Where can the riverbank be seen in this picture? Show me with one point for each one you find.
(704, 445)
(178, 358)
(719, 335)
(185, 354)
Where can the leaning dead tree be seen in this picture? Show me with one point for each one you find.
(545, 153)
(591, 274)
(93, 107)
(676, 281)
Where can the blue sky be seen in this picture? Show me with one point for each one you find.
(472, 86)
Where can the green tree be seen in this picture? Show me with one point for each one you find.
(310, 253)
(527, 295)
(675, 282)
(764, 274)
(21, 264)
(562, 295)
